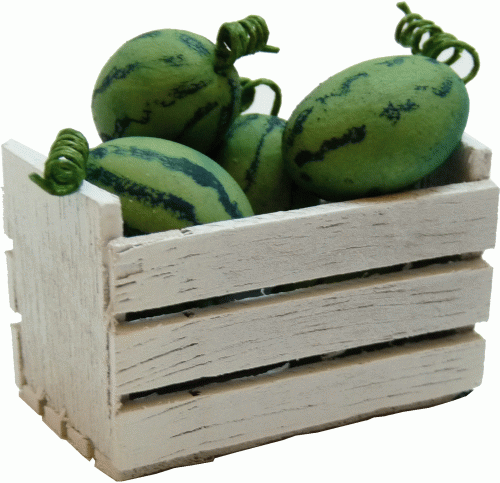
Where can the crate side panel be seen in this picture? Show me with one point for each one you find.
(258, 410)
(288, 247)
(325, 319)
(61, 289)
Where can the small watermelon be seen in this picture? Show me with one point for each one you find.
(251, 154)
(176, 85)
(376, 127)
(164, 185)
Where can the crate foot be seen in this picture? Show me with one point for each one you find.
(82, 444)
(57, 421)
(35, 400)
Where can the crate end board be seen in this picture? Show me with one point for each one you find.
(58, 283)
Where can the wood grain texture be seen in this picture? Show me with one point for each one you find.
(61, 289)
(55, 420)
(17, 353)
(318, 320)
(264, 251)
(11, 283)
(36, 400)
(106, 465)
(73, 276)
(227, 416)
(82, 444)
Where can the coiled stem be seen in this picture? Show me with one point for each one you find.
(248, 93)
(64, 169)
(237, 39)
(413, 27)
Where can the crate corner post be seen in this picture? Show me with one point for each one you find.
(58, 283)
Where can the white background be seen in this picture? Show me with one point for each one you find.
(52, 52)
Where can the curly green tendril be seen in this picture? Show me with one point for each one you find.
(237, 39)
(248, 93)
(64, 169)
(438, 41)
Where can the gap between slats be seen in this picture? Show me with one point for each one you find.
(188, 309)
(258, 375)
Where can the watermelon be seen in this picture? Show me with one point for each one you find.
(376, 127)
(175, 85)
(164, 185)
(251, 154)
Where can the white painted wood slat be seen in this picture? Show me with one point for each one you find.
(319, 320)
(264, 251)
(241, 414)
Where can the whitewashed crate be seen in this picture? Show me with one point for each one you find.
(173, 348)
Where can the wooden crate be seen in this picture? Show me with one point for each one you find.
(170, 349)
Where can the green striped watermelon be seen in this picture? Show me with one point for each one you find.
(376, 127)
(251, 154)
(163, 84)
(164, 185)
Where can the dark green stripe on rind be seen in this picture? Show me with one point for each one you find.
(298, 126)
(198, 174)
(179, 92)
(272, 123)
(148, 35)
(115, 74)
(444, 89)
(241, 123)
(194, 44)
(393, 113)
(123, 186)
(199, 114)
(229, 111)
(392, 62)
(354, 135)
(345, 88)
(121, 125)
(174, 60)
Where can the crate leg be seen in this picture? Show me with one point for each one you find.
(35, 400)
(55, 421)
(82, 444)
(103, 464)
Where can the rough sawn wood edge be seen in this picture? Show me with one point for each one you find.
(105, 465)
(319, 320)
(61, 425)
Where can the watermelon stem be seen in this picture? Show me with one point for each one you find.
(438, 41)
(64, 169)
(237, 39)
(248, 93)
